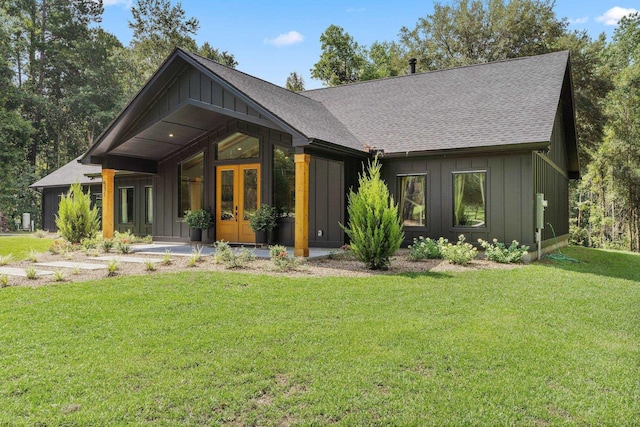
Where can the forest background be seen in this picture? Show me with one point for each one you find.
(63, 78)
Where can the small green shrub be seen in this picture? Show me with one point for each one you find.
(112, 267)
(106, 245)
(58, 276)
(374, 227)
(89, 243)
(166, 258)
(75, 271)
(426, 248)
(76, 219)
(499, 252)
(60, 247)
(461, 253)
(123, 247)
(226, 255)
(4, 280)
(33, 255)
(31, 273)
(281, 260)
(196, 256)
(149, 264)
(6, 259)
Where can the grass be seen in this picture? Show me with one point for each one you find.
(549, 344)
(21, 246)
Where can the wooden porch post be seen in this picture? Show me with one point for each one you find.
(107, 203)
(301, 247)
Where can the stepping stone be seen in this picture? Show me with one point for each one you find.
(170, 253)
(69, 264)
(134, 259)
(12, 271)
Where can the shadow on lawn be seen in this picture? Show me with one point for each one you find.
(615, 264)
(423, 274)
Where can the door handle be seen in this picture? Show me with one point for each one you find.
(236, 213)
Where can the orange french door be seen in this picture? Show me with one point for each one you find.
(237, 197)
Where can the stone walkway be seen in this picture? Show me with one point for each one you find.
(11, 271)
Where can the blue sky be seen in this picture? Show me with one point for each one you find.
(270, 39)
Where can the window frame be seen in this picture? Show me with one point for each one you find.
(148, 205)
(235, 159)
(203, 176)
(485, 225)
(399, 197)
(133, 199)
(292, 210)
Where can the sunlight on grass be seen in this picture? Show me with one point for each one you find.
(22, 246)
(546, 344)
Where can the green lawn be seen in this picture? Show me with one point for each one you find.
(548, 344)
(20, 245)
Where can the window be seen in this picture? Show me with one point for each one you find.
(412, 200)
(284, 181)
(469, 203)
(148, 205)
(126, 205)
(191, 189)
(238, 146)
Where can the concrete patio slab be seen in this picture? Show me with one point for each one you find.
(12, 271)
(70, 264)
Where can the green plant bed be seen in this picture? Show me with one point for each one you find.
(547, 344)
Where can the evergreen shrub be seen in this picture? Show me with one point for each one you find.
(374, 226)
(76, 220)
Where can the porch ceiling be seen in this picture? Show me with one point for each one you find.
(169, 134)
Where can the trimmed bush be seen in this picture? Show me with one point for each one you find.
(426, 248)
(76, 220)
(499, 252)
(374, 226)
(461, 253)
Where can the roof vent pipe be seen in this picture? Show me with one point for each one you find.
(412, 65)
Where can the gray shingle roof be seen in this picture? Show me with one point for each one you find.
(500, 103)
(70, 173)
(307, 116)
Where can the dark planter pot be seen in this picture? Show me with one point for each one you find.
(195, 234)
(261, 238)
(272, 237)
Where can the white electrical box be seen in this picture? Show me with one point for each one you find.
(541, 204)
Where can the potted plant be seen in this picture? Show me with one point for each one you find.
(197, 220)
(263, 221)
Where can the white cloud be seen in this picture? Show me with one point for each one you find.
(582, 20)
(292, 37)
(614, 15)
(126, 3)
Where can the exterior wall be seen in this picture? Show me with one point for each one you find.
(509, 195)
(138, 225)
(326, 202)
(550, 178)
(51, 203)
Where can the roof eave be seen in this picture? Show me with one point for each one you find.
(490, 149)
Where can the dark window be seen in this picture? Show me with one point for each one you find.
(284, 181)
(238, 146)
(126, 205)
(148, 205)
(469, 202)
(412, 200)
(191, 189)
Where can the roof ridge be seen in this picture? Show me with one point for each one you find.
(188, 52)
(460, 67)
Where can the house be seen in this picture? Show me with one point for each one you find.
(134, 214)
(464, 150)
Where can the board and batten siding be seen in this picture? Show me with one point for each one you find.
(193, 86)
(509, 190)
(326, 202)
(551, 179)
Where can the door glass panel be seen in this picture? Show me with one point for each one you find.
(226, 187)
(250, 192)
